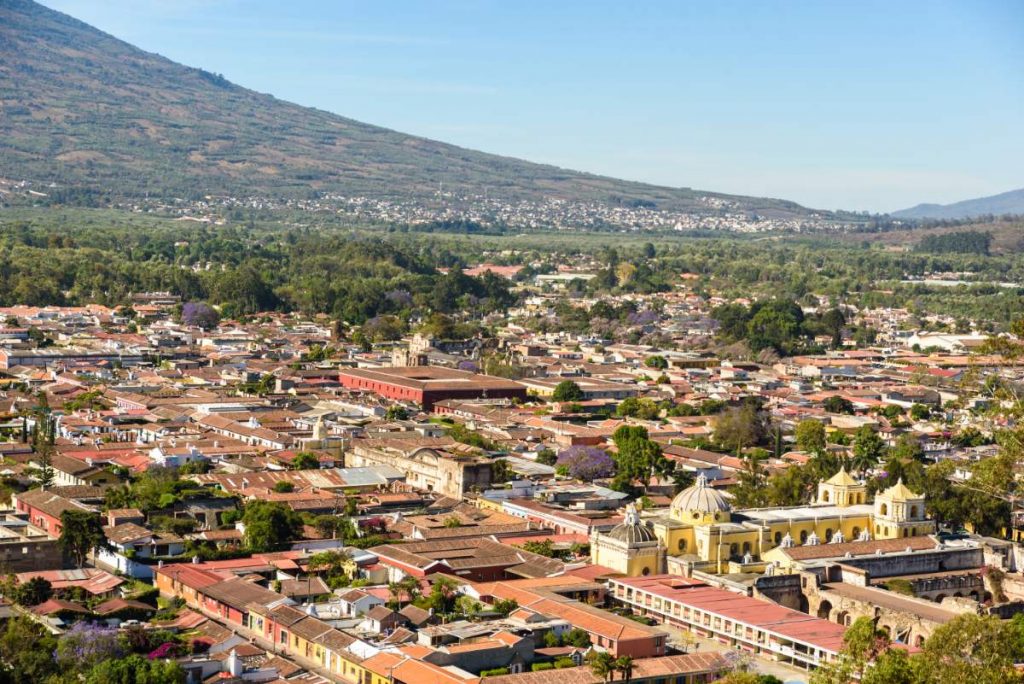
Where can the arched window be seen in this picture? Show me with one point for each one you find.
(682, 544)
(828, 534)
(883, 509)
(733, 549)
(803, 536)
(778, 538)
(746, 547)
(646, 571)
(856, 533)
(824, 496)
(913, 511)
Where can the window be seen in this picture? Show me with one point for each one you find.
(682, 544)
(803, 536)
(913, 511)
(824, 496)
(778, 538)
(884, 509)
(828, 534)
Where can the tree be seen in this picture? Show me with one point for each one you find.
(970, 648)
(136, 669)
(741, 427)
(637, 456)
(200, 314)
(332, 562)
(893, 666)
(396, 412)
(284, 486)
(624, 665)
(547, 456)
(443, 592)
(862, 643)
(838, 404)
(269, 525)
(868, 449)
(644, 409)
(26, 652)
(501, 471)
(33, 592)
(602, 664)
(920, 412)
(586, 463)
(657, 362)
(305, 460)
(567, 390)
(81, 533)
(810, 436)
(87, 644)
(576, 637)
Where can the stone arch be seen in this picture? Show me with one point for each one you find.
(824, 608)
(906, 532)
(824, 496)
(828, 534)
(843, 618)
(975, 595)
(958, 594)
(913, 511)
(938, 599)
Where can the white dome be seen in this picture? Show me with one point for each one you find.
(699, 499)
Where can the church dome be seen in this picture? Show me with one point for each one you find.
(700, 499)
(630, 530)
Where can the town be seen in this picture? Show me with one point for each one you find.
(283, 497)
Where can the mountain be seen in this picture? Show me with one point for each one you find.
(86, 111)
(1011, 202)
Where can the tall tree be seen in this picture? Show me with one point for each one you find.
(81, 533)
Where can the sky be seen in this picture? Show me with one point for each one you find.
(862, 105)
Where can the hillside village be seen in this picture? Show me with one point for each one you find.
(281, 499)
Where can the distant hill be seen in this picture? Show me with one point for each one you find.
(83, 109)
(997, 205)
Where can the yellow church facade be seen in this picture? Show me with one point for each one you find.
(702, 532)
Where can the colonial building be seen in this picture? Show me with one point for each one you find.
(703, 532)
(630, 548)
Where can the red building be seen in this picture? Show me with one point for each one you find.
(426, 385)
(44, 509)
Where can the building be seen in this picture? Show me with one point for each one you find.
(749, 624)
(51, 356)
(702, 532)
(630, 548)
(426, 385)
(44, 509)
(24, 547)
(431, 464)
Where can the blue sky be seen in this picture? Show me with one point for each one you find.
(861, 105)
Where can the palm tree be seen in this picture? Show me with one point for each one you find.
(624, 664)
(602, 664)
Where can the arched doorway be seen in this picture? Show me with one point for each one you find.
(824, 609)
